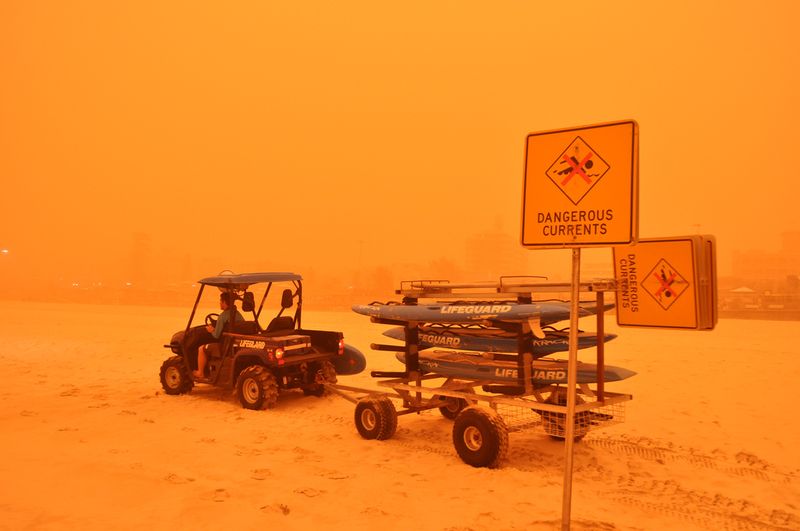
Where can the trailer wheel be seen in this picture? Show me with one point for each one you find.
(480, 437)
(175, 376)
(390, 413)
(257, 388)
(376, 418)
(555, 424)
(453, 406)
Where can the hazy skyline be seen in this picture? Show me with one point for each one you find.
(356, 135)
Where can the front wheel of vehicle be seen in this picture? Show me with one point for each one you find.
(175, 378)
(257, 388)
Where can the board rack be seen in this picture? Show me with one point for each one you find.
(510, 407)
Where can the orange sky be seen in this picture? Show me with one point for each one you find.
(198, 136)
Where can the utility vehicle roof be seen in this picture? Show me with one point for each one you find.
(245, 279)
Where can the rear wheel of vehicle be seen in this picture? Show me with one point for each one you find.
(326, 373)
(376, 418)
(175, 377)
(480, 437)
(257, 388)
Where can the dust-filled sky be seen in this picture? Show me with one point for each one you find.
(190, 137)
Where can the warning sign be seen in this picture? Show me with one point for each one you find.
(667, 283)
(577, 170)
(581, 186)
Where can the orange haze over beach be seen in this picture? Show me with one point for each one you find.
(145, 145)
(154, 143)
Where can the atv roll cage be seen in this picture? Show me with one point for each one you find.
(238, 285)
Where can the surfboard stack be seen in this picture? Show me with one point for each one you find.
(472, 337)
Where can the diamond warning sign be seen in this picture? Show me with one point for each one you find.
(577, 170)
(665, 284)
(581, 186)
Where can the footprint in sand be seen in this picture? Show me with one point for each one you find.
(26, 413)
(247, 452)
(220, 495)
(311, 492)
(304, 454)
(261, 473)
(217, 495)
(336, 475)
(175, 479)
(275, 508)
(70, 392)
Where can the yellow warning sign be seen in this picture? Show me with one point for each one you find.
(581, 186)
(666, 283)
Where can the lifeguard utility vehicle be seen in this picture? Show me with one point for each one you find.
(257, 357)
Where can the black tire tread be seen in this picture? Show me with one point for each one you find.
(186, 383)
(496, 431)
(385, 417)
(267, 383)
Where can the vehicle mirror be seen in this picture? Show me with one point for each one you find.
(286, 299)
(248, 301)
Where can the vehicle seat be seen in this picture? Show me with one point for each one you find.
(283, 322)
(245, 327)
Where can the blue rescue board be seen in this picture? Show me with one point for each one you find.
(351, 362)
(493, 340)
(543, 371)
(460, 312)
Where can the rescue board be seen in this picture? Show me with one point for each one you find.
(465, 312)
(352, 361)
(544, 371)
(493, 340)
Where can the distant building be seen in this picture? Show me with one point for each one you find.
(756, 264)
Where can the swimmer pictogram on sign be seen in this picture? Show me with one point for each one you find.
(577, 169)
(665, 284)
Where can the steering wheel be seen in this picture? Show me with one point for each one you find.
(211, 319)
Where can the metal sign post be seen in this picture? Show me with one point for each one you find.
(572, 383)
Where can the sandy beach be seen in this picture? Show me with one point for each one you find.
(91, 441)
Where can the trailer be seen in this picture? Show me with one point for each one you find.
(484, 410)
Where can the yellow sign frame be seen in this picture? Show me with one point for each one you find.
(581, 186)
